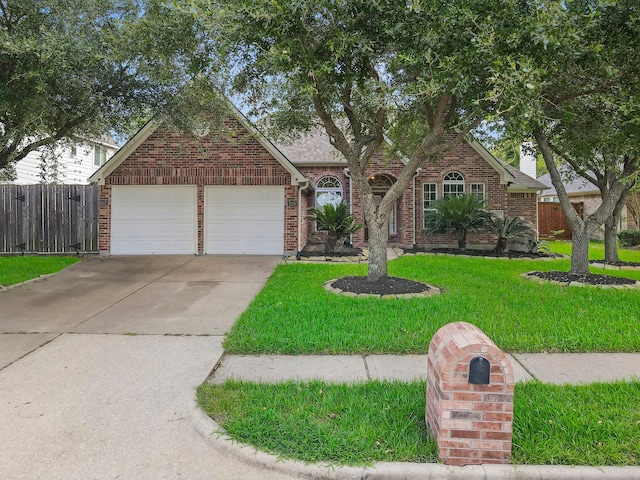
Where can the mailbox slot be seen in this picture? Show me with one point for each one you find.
(479, 371)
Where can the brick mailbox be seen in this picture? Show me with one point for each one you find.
(469, 396)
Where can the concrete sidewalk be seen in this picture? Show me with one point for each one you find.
(558, 368)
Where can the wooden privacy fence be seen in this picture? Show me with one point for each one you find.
(49, 218)
(551, 219)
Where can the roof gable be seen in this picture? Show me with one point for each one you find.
(151, 126)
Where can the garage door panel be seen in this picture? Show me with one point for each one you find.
(244, 220)
(153, 220)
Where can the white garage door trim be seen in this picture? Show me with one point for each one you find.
(244, 220)
(153, 219)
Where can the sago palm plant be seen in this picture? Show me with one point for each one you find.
(509, 229)
(458, 215)
(336, 221)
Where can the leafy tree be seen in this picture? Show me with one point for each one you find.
(580, 62)
(508, 229)
(365, 71)
(336, 221)
(608, 155)
(72, 69)
(457, 214)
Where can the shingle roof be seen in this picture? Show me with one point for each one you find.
(524, 179)
(577, 186)
(315, 149)
(311, 149)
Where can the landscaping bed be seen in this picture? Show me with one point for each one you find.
(589, 279)
(481, 253)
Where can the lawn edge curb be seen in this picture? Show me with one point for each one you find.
(216, 436)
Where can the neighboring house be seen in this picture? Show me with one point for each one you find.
(583, 194)
(166, 192)
(64, 164)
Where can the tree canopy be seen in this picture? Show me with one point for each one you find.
(79, 69)
(365, 71)
(579, 98)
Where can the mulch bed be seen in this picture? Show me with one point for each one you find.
(483, 253)
(384, 286)
(318, 251)
(589, 279)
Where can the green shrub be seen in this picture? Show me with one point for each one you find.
(336, 221)
(457, 214)
(536, 246)
(629, 238)
(509, 229)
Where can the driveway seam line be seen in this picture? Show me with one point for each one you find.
(31, 351)
(131, 294)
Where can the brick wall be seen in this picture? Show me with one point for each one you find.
(472, 423)
(169, 157)
(463, 159)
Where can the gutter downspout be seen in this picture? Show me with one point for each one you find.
(348, 175)
(415, 175)
(301, 186)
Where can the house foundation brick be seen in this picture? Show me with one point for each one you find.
(472, 423)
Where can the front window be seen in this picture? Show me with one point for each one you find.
(429, 195)
(99, 155)
(328, 190)
(478, 189)
(453, 184)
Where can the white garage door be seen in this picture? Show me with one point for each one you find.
(153, 220)
(244, 220)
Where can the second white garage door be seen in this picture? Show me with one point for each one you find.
(244, 220)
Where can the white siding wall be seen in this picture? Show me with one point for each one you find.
(72, 169)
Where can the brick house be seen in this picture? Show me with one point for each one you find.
(166, 192)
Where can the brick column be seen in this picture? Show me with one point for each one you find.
(472, 423)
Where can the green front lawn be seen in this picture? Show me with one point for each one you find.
(16, 269)
(370, 422)
(294, 315)
(384, 421)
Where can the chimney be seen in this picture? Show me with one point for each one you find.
(528, 159)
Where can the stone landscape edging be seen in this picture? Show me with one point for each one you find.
(532, 276)
(216, 436)
(607, 266)
(429, 292)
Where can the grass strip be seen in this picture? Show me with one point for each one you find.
(363, 423)
(16, 269)
(293, 314)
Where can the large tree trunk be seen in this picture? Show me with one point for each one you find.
(581, 228)
(580, 251)
(611, 240)
(378, 236)
(611, 230)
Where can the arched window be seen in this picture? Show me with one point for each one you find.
(328, 190)
(453, 184)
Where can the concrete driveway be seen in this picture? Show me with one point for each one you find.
(99, 363)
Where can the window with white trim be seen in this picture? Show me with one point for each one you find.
(99, 155)
(328, 190)
(429, 195)
(478, 189)
(452, 184)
